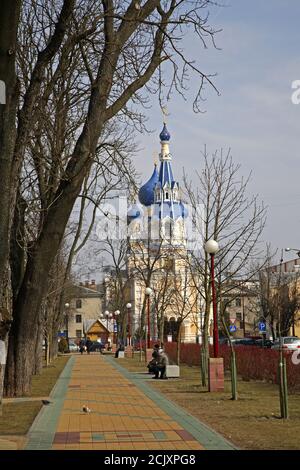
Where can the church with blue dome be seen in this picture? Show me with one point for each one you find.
(158, 256)
(160, 213)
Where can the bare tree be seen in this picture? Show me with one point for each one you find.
(115, 253)
(53, 307)
(279, 297)
(184, 302)
(121, 46)
(162, 297)
(147, 259)
(229, 216)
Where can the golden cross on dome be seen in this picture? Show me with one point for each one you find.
(165, 113)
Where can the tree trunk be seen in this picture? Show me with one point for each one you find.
(5, 323)
(47, 350)
(20, 358)
(38, 362)
(178, 344)
(205, 345)
(53, 347)
(161, 327)
(9, 20)
(33, 290)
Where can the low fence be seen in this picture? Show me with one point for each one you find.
(253, 363)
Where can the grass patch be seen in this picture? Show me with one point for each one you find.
(44, 383)
(252, 422)
(17, 417)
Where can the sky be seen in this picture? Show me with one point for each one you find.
(257, 61)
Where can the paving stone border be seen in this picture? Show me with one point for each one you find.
(209, 438)
(42, 431)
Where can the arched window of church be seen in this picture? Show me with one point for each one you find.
(167, 196)
(168, 228)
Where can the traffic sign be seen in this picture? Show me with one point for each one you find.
(232, 328)
(262, 326)
(232, 320)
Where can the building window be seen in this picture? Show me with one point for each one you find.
(239, 316)
(238, 302)
(78, 333)
(78, 319)
(79, 303)
(167, 196)
(168, 264)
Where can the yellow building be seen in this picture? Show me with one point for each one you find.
(84, 315)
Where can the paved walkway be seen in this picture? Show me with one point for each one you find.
(126, 413)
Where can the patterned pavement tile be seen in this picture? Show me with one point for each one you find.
(125, 413)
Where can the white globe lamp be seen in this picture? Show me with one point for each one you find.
(211, 247)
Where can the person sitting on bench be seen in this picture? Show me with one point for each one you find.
(120, 348)
(161, 366)
(153, 363)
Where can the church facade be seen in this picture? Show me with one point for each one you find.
(158, 257)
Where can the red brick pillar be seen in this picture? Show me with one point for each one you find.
(216, 374)
(129, 351)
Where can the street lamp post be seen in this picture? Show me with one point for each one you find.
(148, 293)
(117, 312)
(129, 323)
(212, 247)
(107, 315)
(67, 305)
(215, 364)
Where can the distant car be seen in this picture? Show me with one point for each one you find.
(73, 347)
(267, 343)
(258, 342)
(290, 343)
(245, 342)
(96, 346)
(225, 340)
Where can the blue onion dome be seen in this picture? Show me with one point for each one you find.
(133, 213)
(146, 193)
(165, 134)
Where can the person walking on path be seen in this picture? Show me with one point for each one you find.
(82, 346)
(88, 345)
